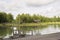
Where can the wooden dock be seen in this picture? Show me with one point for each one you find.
(54, 36)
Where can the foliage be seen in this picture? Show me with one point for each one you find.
(9, 17)
(26, 18)
(4, 17)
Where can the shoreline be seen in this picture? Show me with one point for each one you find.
(31, 24)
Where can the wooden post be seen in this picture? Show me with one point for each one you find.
(32, 32)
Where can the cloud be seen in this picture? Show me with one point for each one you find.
(19, 6)
(40, 2)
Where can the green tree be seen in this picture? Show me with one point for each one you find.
(18, 18)
(3, 17)
(10, 17)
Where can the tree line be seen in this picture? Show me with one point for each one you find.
(6, 18)
(26, 18)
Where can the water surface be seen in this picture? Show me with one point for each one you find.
(6, 32)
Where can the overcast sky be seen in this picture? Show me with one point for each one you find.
(43, 7)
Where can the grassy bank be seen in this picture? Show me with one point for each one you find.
(30, 24)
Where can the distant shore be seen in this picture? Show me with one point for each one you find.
(29, 24)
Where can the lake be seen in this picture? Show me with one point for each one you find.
(6, 32)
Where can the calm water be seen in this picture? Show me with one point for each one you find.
(6, 32)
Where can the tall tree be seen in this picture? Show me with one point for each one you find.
(18, 18)
(10, 17)
(3, 17)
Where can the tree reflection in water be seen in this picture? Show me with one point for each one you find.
(4, 31)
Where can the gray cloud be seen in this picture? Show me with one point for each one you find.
(19, 6)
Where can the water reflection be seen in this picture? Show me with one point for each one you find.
(30, 30)
(4, 31)
(51, 29)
